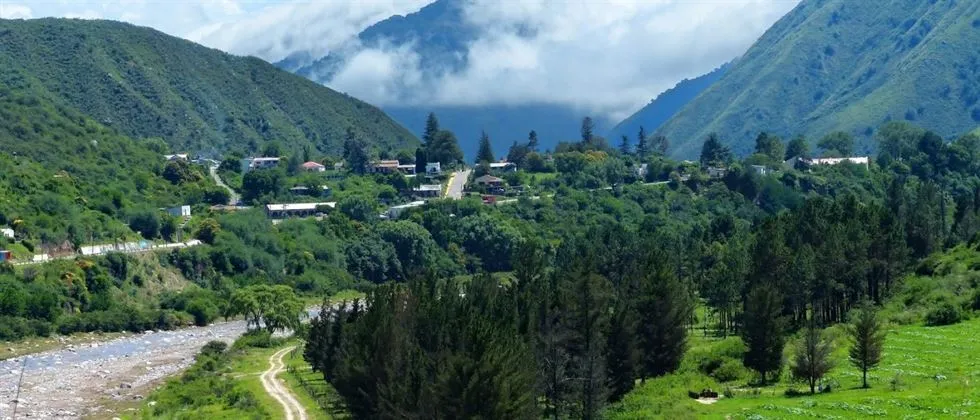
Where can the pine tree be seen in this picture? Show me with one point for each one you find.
(485, 153)
(355, 152)
(642, 147)
(661, 144)
(868, 336)
(532, 141)
(797, 147)
(624, 145)
(588, 127)
(713, 152)
(431, 129)
(664, 310)
(551, 349)
(587, 297)
(621, 352)
(763, 327)
(814, 356)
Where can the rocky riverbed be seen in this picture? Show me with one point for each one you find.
(74, 381)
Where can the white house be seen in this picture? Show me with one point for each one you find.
(282, 211)
(433, 168)
(180, 156)
(7, 233)
(314, 167)
(432, 190)
(249, 164)
(395, 211)
(180, 211)
(503, 166)
(760, 169)
(716, 172)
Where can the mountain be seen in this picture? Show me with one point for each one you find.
(148, 84)
(842, 65)
(440, 35)
(659, 110)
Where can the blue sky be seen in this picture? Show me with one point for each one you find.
(607, 57)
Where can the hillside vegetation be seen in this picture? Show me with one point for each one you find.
(148, 84)
(839, 65)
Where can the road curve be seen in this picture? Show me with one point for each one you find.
(456, 183)
(233, 197)
(273, 386)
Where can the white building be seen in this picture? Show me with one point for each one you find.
(180, 211)
(503, 166)
(7, 233)
(249, 164)
(282, 211)
(432, 190)
(396, 211)
(760, 169)
(180, 156)
(433, 168)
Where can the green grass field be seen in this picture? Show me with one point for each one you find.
(927, 373)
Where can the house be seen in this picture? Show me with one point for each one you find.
(761, 169)
(429, 191)
(253, 163)
(433, 168)
(642, 170)
(6, 256)
(179, 211)
(313, 167)
(338, 165)
(181, 156)
(489, 181)
(717, 172)
(283, 211)
(383, 167)
(857, 160)
(503, 166)
(407, 169)
(396, 211)
(7, 233)
(304, 190)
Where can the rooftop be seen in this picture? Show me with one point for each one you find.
(297, 206)
(313, 165)
(430, 187)
(409, 205)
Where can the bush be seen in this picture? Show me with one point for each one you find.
(203, 311)
(945, 313)
(256, 338)
(730, 370)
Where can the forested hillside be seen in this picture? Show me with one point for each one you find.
(834, 65)
(65, 176)
(148, 84)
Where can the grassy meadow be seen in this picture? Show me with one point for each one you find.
(927, 373)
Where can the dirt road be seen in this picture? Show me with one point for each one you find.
(233, 197)
(294, 410)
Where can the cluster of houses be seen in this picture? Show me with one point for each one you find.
(716, 172)
(392, 166)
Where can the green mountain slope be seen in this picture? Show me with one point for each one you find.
(65, 176)
(148, 84)
(844, 65)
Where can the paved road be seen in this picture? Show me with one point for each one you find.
(273, 386)
(456, 183)
(234, 198)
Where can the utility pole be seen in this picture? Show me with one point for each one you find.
(23, 367)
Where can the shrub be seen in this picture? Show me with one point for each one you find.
(256, 338)
(945, 313)
(203, 311)
(214, 347)
(730, 370)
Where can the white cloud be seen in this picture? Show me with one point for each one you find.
(14, 11)
(607, 58)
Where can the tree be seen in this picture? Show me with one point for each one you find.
(664, 310)
(798, 147)
(587, 297)
(444, 148)
(431, 129)
(587, 130)
(624, 145)
(146, 222)
(868, 341)
(763, 326)
(168, 227)
(517, 154)
(840, 142)
(420, 161)
(714, 153)
(769, 145)
(355, 152)
(642, 147)
(272, 149)
(814, 356)
(277, 308)
(485, 153)
(261, 182)
(621, 352)
(661, 145)
(532, 141)
(208, 230)
(357, 208)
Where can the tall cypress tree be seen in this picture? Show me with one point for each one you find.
(621, 351)
(485, 153)
(664, 309)
(587, 297)
(532, 141)
(868, 337)
(420, 161)
(642, 147)
(588, 127)
(624, 145)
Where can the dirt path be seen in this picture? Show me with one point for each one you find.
(294, 410)
(233, 197)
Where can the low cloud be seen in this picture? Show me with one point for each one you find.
(15, 11)
(605, 58)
